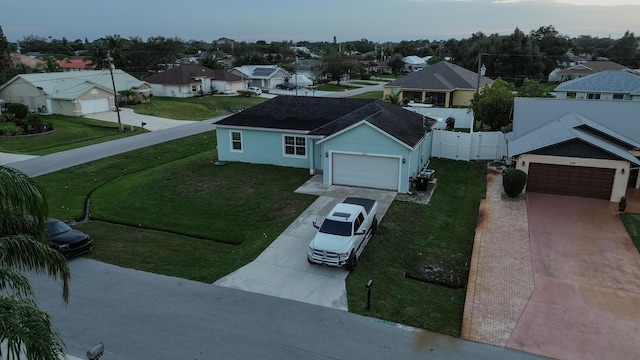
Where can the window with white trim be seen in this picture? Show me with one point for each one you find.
(236, 141)
(295, 146)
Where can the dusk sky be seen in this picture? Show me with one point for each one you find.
(296, 20)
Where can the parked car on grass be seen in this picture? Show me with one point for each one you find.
(67, 240)
(255, 90)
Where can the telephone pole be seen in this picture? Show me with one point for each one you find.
(115, 93)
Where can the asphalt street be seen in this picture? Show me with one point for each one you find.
(139, 315)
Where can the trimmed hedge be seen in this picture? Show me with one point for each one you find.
(513, 181)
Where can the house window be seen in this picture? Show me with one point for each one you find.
(295, 146)
(618, 96)
(193, 88)
(571, 95)
(593, 96)
(236, 141)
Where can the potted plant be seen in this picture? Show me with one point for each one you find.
(622, 204)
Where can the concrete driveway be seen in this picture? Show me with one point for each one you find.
(586, 301)
(282, 269)
(128, 118)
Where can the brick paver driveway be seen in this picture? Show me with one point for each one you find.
(586, 301)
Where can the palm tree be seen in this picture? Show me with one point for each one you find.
(24, 328)
(394, 99)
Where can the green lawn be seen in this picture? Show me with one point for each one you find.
(200, 108)
(70, 132)
(432, 243)
(369, 95)
(632, 222)
(335, 87)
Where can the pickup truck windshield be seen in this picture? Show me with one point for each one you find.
(333, 227)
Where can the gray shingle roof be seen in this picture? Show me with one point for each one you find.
(327, 116)
(539, 123)
(608, 81)
(187, 74)
(441, 76)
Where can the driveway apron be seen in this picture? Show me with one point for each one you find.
(586, 302)
(282, 269)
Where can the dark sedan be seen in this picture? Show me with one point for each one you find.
(69, 241)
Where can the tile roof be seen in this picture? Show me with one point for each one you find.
(607, 81)
(441, 76)
(188, 74)
(327, 116)
(539, 123)
(75, 64)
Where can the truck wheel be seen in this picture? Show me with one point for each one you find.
(351, 262)
(374, 225)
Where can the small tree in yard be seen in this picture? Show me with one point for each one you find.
(513, 181)
(494, 104)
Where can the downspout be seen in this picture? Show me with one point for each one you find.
(312, 168)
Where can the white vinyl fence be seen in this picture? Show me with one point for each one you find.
(468, 146)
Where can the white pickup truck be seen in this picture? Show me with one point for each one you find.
(344, 233)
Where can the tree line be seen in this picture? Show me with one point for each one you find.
(513, 57)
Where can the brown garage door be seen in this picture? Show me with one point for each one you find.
(570, 180)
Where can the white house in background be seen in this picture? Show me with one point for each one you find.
(191, 80)
(603, 85)
(263, 76)
(300, 80)
(75, 93)
(415, 63)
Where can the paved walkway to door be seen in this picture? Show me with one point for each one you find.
(555, 276)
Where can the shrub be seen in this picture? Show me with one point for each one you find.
(365, 76)
(34, 123)
(513, 181)
(18, 109)
(246, 93)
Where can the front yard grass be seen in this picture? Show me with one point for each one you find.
(631, 221)
(432, 243)
(70, 132)
(369, 95)
(199, 108)
(335, 87)
(167, 209)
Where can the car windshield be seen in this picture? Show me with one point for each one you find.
(57, 227)
(336, 227)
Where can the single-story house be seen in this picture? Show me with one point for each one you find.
(354, 142)
(577, 147)
(308, 68)
(587, 68)
(75, 93)
(263, 76)
(603, 85)
(191, 80)
(447, 85)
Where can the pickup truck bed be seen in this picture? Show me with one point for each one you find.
(367, 204)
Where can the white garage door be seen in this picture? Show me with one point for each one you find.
(94, 106)
(365, 171)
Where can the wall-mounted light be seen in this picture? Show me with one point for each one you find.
(622, 171)
(326, 154)
(403, 160)
(522, 162)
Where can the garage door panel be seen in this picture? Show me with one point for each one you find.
(570, 180)
(94, 106)
(378, 172)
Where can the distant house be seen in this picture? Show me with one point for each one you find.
(75, 64)
(587, 68)
(194, 80)
(28, 61)
(354, 142)
(415, 63)
(307, 68)
(603, 85)
(263, 76)
(446, 84)
(577, 147)
(76, 93)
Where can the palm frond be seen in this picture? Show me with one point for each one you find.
(25, 253)
(25, 329)
(15, 283)
(21, 195)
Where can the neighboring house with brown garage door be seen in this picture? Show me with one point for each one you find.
(580, 148)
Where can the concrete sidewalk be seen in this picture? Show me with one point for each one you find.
(129, 118)
(282, 269)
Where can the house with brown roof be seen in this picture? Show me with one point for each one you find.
(191, 80)
(587, 68)
(444, 84)
(75, 64)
